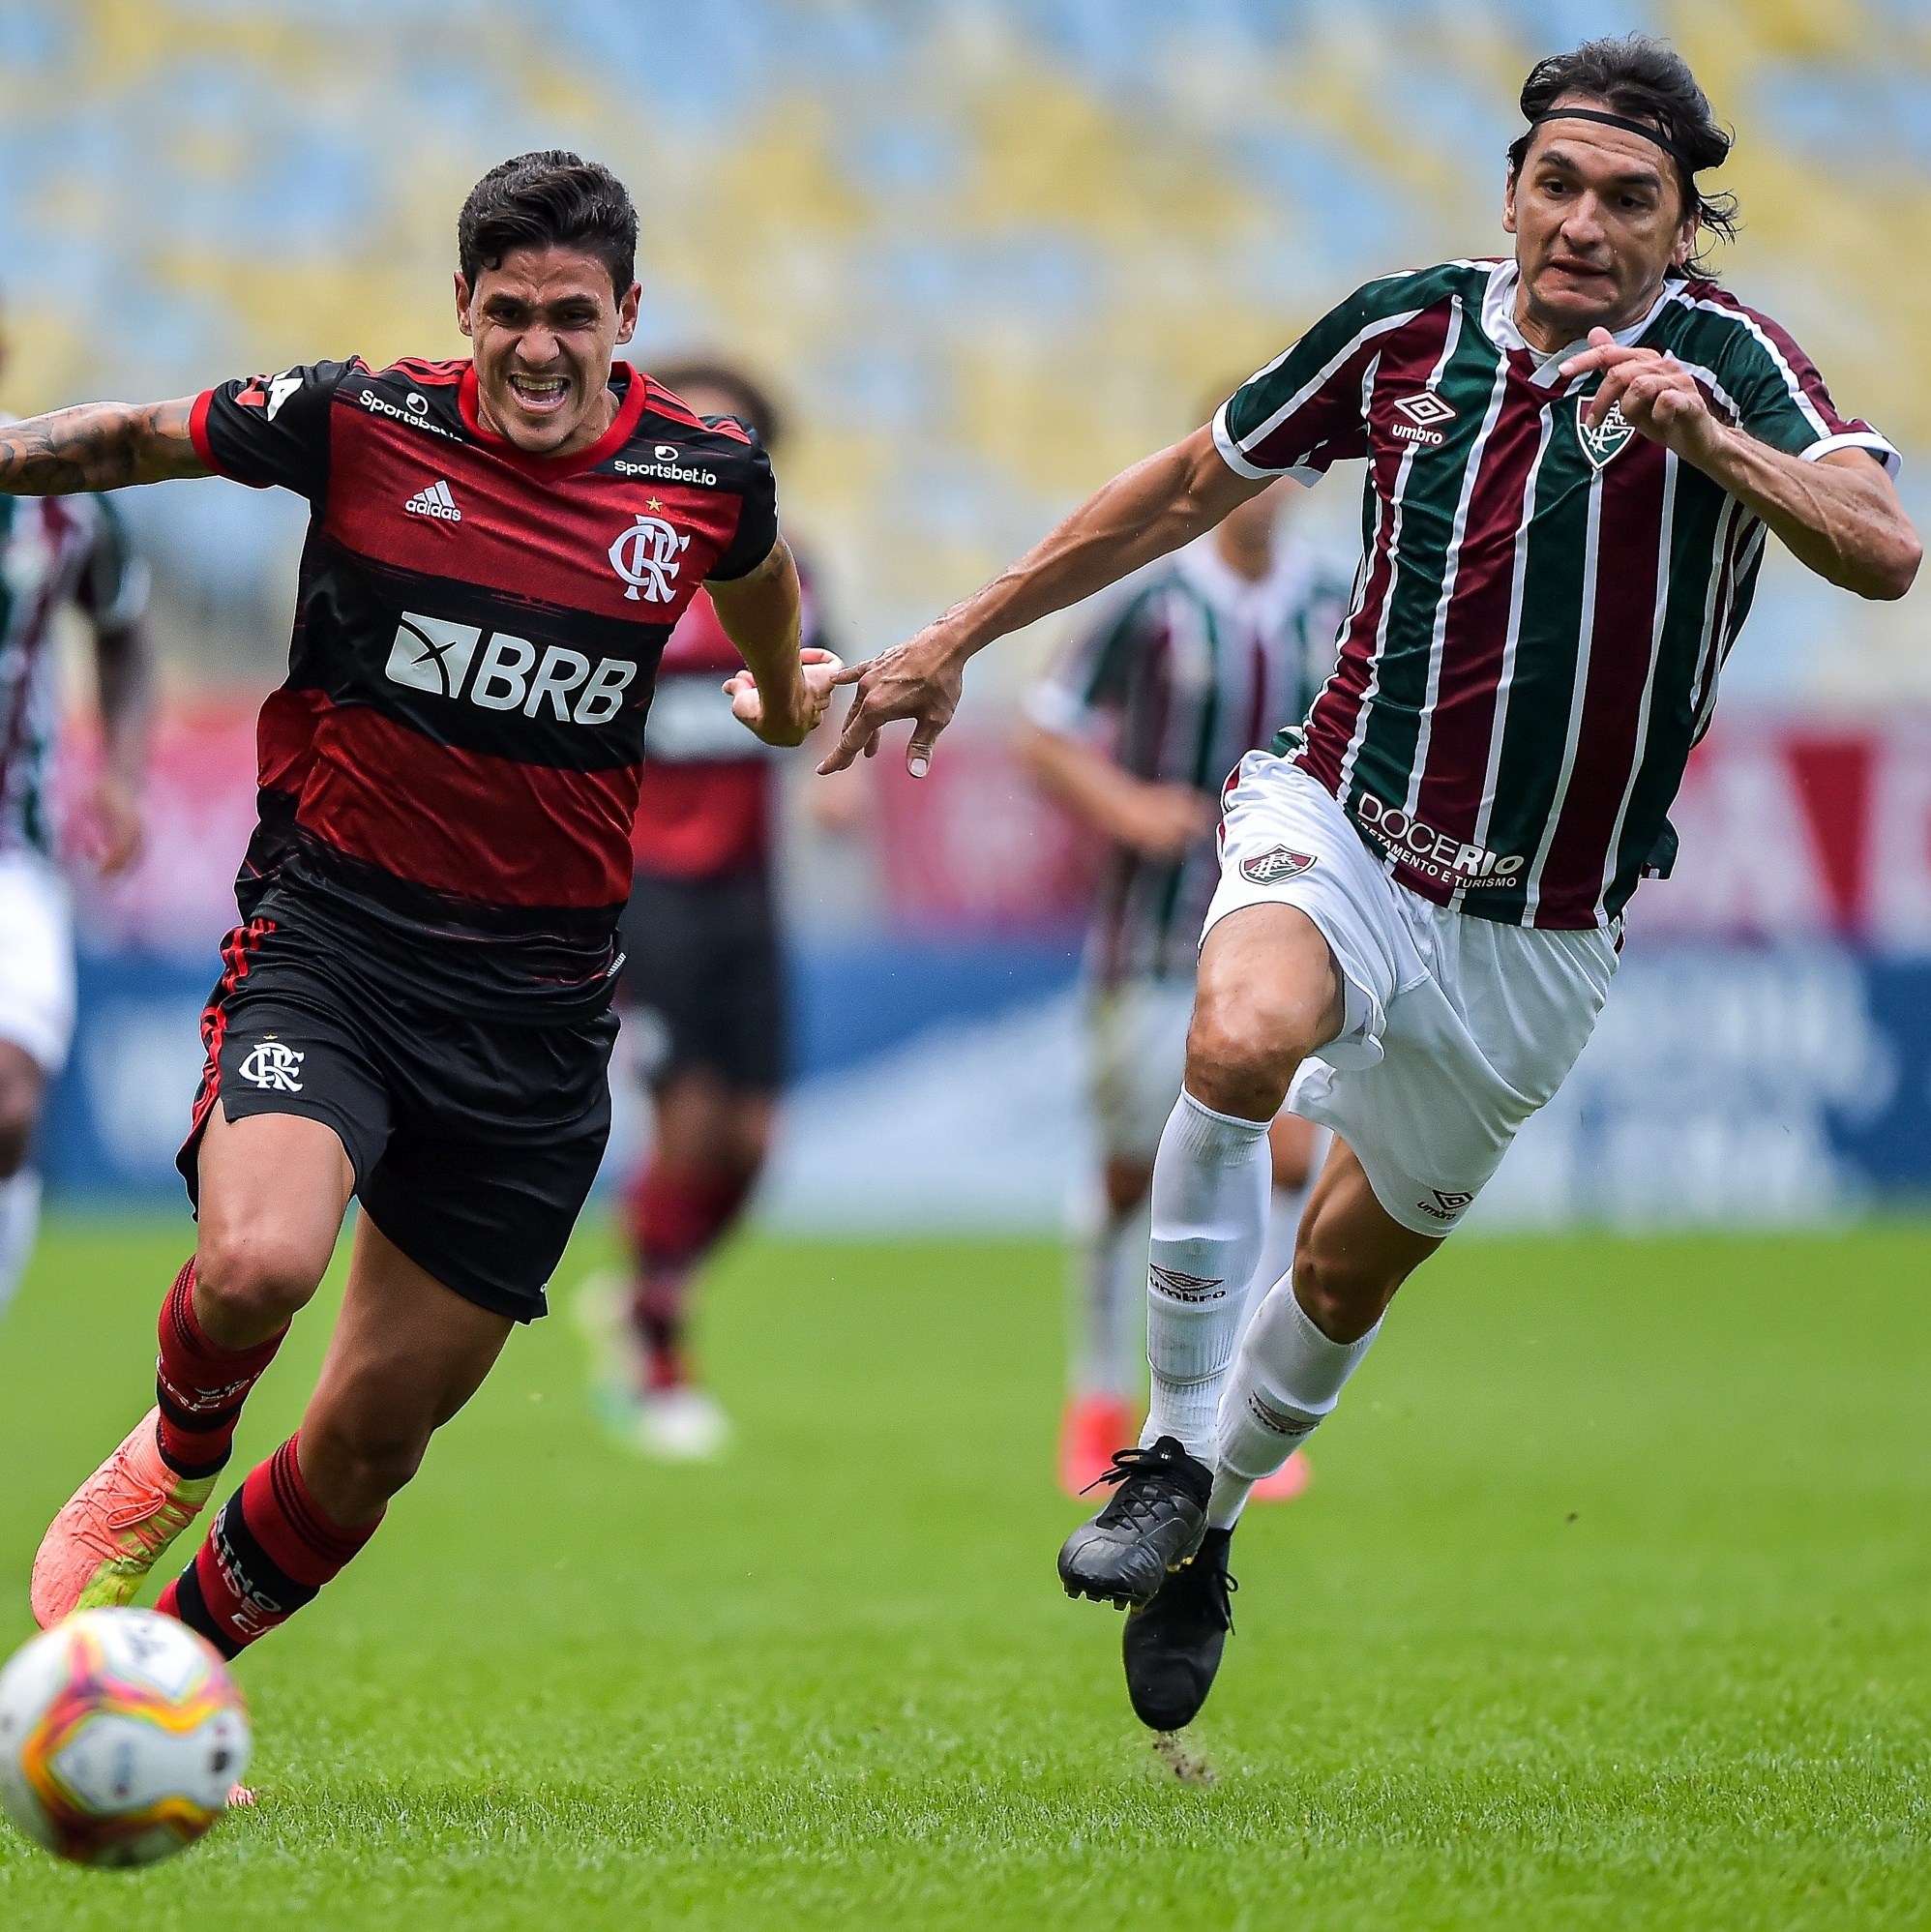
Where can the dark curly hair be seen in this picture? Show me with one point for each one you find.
(549, 198)
(1644, 80)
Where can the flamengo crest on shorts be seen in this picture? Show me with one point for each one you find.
(1270, 868)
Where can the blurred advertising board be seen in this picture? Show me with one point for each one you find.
(1765, 1056)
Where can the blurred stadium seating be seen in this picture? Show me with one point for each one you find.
(990, 251)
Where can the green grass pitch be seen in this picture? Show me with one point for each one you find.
(1610, 1606)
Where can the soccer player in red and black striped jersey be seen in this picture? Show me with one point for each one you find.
(415, 1009)
(1575, 457)
(703, 990)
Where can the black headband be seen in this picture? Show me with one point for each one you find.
(1623, 122)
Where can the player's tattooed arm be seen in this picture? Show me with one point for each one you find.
(784, 692)
(97, 446)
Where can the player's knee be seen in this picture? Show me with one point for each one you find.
(20, 1087)
(254, 1274)
(17, 1138)
(1242, 1050)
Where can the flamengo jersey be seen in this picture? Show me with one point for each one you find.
(53, 549)
(1543, 611)
(449, 774)
(1184, 670)
(705, 806)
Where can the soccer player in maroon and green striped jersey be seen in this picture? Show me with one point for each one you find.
(1575, 457)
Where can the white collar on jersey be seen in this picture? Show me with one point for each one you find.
(1261, 604)
(1498, 324)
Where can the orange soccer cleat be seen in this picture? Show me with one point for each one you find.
(1287, 1482)
(116, 1526)
(1091, 1429)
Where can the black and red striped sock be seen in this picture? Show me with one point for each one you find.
(677, 1212)
(200, 1388)
(267, 1553)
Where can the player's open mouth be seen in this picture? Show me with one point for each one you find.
(544, 392)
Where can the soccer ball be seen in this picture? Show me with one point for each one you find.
(121, 1734)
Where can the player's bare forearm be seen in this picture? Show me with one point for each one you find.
(1839, 516)
(1144, 512)
(97, 446)
(762, 613)
(1159, 821)
(126, 670)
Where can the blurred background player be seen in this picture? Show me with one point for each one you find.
(53, 552)
(702, 992)
(1135, 729)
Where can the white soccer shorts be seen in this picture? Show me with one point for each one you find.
(36, 958)
(1457, 1028)
(1137, 1048)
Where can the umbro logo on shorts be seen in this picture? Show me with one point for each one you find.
(273, 1067)
(435, 501)
(1446, 1206)
(1271, 867)
(1185, 1287)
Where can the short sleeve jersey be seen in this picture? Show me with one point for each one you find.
(1176, 676)
(53, 550)
(1545, 608)
(449, 771)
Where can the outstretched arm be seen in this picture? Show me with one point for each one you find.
(1144, 512)
(1158, 821)
(97, 446)
(784, 693)
(1839, 514)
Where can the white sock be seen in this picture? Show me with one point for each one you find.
(1285, 1385)
(1109, 1307)
(20, 1222)
(1210, 1184)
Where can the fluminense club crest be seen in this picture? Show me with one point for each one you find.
(1601, 443)
(1269, 868)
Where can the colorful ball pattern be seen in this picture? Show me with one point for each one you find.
(121, 1736)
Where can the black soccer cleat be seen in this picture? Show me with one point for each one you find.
(1173, 1646)
(1151, 1525)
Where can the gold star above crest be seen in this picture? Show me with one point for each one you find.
(655, 503)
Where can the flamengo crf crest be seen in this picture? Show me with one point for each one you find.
(1601, 443)
(1271, 867)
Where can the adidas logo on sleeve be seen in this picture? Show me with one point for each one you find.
(435, 501)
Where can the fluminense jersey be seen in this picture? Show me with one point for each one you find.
(1187, 668)
(53, 550)
(449, 774)
(1543, 610)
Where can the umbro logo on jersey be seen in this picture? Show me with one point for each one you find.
(1426, 413)
(1271, 867)
(1603, 441)
(498, 672)
(435, 501)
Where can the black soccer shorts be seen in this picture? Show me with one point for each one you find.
(474, 1141)
(704, 979)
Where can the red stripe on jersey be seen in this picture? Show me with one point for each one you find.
(1406, 361)
(1628, 550)
(285, 736)
(197, 433)
(1801, 365)
(485, 829)
(629, 410)
(1477, 634)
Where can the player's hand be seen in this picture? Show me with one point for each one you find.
(1160, 821)
(921, 680)
(110, 828)
(1659, 397)
(820, 677)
